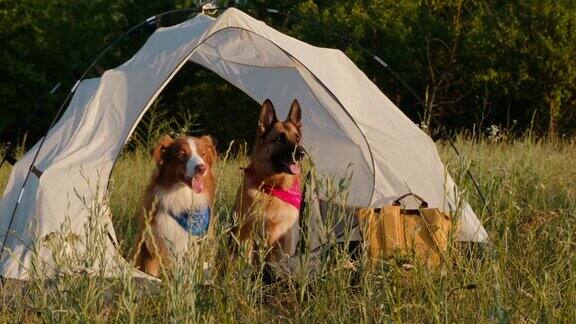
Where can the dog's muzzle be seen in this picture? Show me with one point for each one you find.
(289, 160)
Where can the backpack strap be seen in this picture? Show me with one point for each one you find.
(423, 203)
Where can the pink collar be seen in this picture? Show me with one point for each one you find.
(292, 195)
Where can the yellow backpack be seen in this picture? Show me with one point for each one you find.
(395, 231)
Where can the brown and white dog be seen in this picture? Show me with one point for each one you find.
(268, 203)
(178, 200)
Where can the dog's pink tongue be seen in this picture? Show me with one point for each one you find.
(294, 168)
(197, 184)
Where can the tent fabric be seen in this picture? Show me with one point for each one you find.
(350, 126)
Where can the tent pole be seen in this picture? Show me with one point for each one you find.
(152, 19)
(350, 41)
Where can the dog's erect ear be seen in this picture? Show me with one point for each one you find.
(295, 114)
(160, 148)
(267, 117)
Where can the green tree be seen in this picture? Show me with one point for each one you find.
(547, 42)
(41, 43)
(474, 63)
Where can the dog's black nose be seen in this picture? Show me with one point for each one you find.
(200, 169)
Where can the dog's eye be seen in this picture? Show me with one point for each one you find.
(181, 155)
(202, 154)
(280, 138)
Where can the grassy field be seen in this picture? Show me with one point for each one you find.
(526, 274)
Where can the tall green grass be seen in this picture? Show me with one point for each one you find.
(527, 272)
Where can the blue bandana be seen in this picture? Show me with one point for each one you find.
(194, 221)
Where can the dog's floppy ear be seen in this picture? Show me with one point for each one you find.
(295, 114)
(267, 117)
(211, 143)
(160, 148)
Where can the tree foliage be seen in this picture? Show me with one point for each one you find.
(472, 63)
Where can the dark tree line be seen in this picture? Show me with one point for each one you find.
(472, 63)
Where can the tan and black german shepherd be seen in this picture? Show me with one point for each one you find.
(268, 203)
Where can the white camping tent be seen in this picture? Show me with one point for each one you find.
(348, 125)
